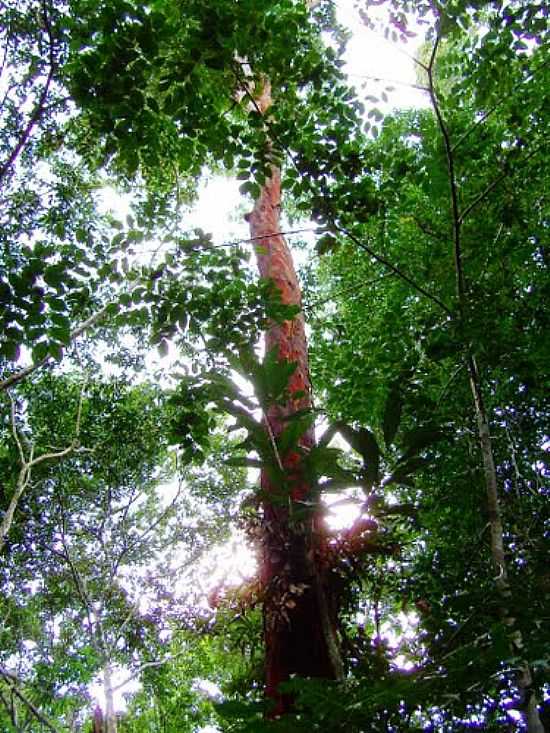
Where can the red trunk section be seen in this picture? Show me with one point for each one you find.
(97, 724)
(298, 629)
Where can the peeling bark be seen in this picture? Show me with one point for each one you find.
(299, 619)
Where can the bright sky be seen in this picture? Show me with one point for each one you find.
(373, 63)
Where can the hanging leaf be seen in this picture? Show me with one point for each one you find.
(418, 439)
(364, 442)
(392, 414)
(404, 471)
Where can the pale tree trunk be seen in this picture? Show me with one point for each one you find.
(524, 679)
(110, 715)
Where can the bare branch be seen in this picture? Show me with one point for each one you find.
(148, 665)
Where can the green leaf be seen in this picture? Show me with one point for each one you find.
(392, 414)
(403, 472)
(326, 243)
(418, 439)
(293, 432)
(364, 442)
(55, 351)
(251, 188)
(40, 350)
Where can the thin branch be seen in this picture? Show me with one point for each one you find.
(78, 331)
(40, 105)
(273, 443)
(487, 190)
(344, 291)
(12, 681)
(391, 81)
(427, 230)
(395, 270)
(492, 109)
(148, 665)
(263, 236)
(146, 532)
(456, 217)
(29, 463)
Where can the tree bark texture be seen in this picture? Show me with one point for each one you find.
(97, 724)
(299, 617)
(524, 678)
(110, 714)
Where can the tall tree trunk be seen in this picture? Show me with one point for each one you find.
(299, 619)
(524, 678)
(110, 715)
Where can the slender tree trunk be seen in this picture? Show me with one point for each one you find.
(110, 715)
(524, 678)
(299, 619)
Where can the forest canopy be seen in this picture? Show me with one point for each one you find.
(353, 393)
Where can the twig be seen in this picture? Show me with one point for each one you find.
(390, 81)
(487, 190)
(492, 109)
(273, 443)
(148, 665)
(345, 291)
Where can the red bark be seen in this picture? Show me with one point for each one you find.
(299, 628)
(97, 724)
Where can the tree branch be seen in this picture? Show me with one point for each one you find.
(487, 190)
(12, 681)
(40, 105)
(456, 217)
(27, 465)
(395, 270)
(148, 665)
(78, 331)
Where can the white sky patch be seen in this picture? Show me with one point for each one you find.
(343, 508)
(373, 62)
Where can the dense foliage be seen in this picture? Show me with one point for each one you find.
(425, 299)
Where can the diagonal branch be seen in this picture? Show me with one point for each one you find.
(12, 681)
(29, 463)
(40, 105)
(487, 190)
(456, 217)
(394, 269)
(78, 331)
